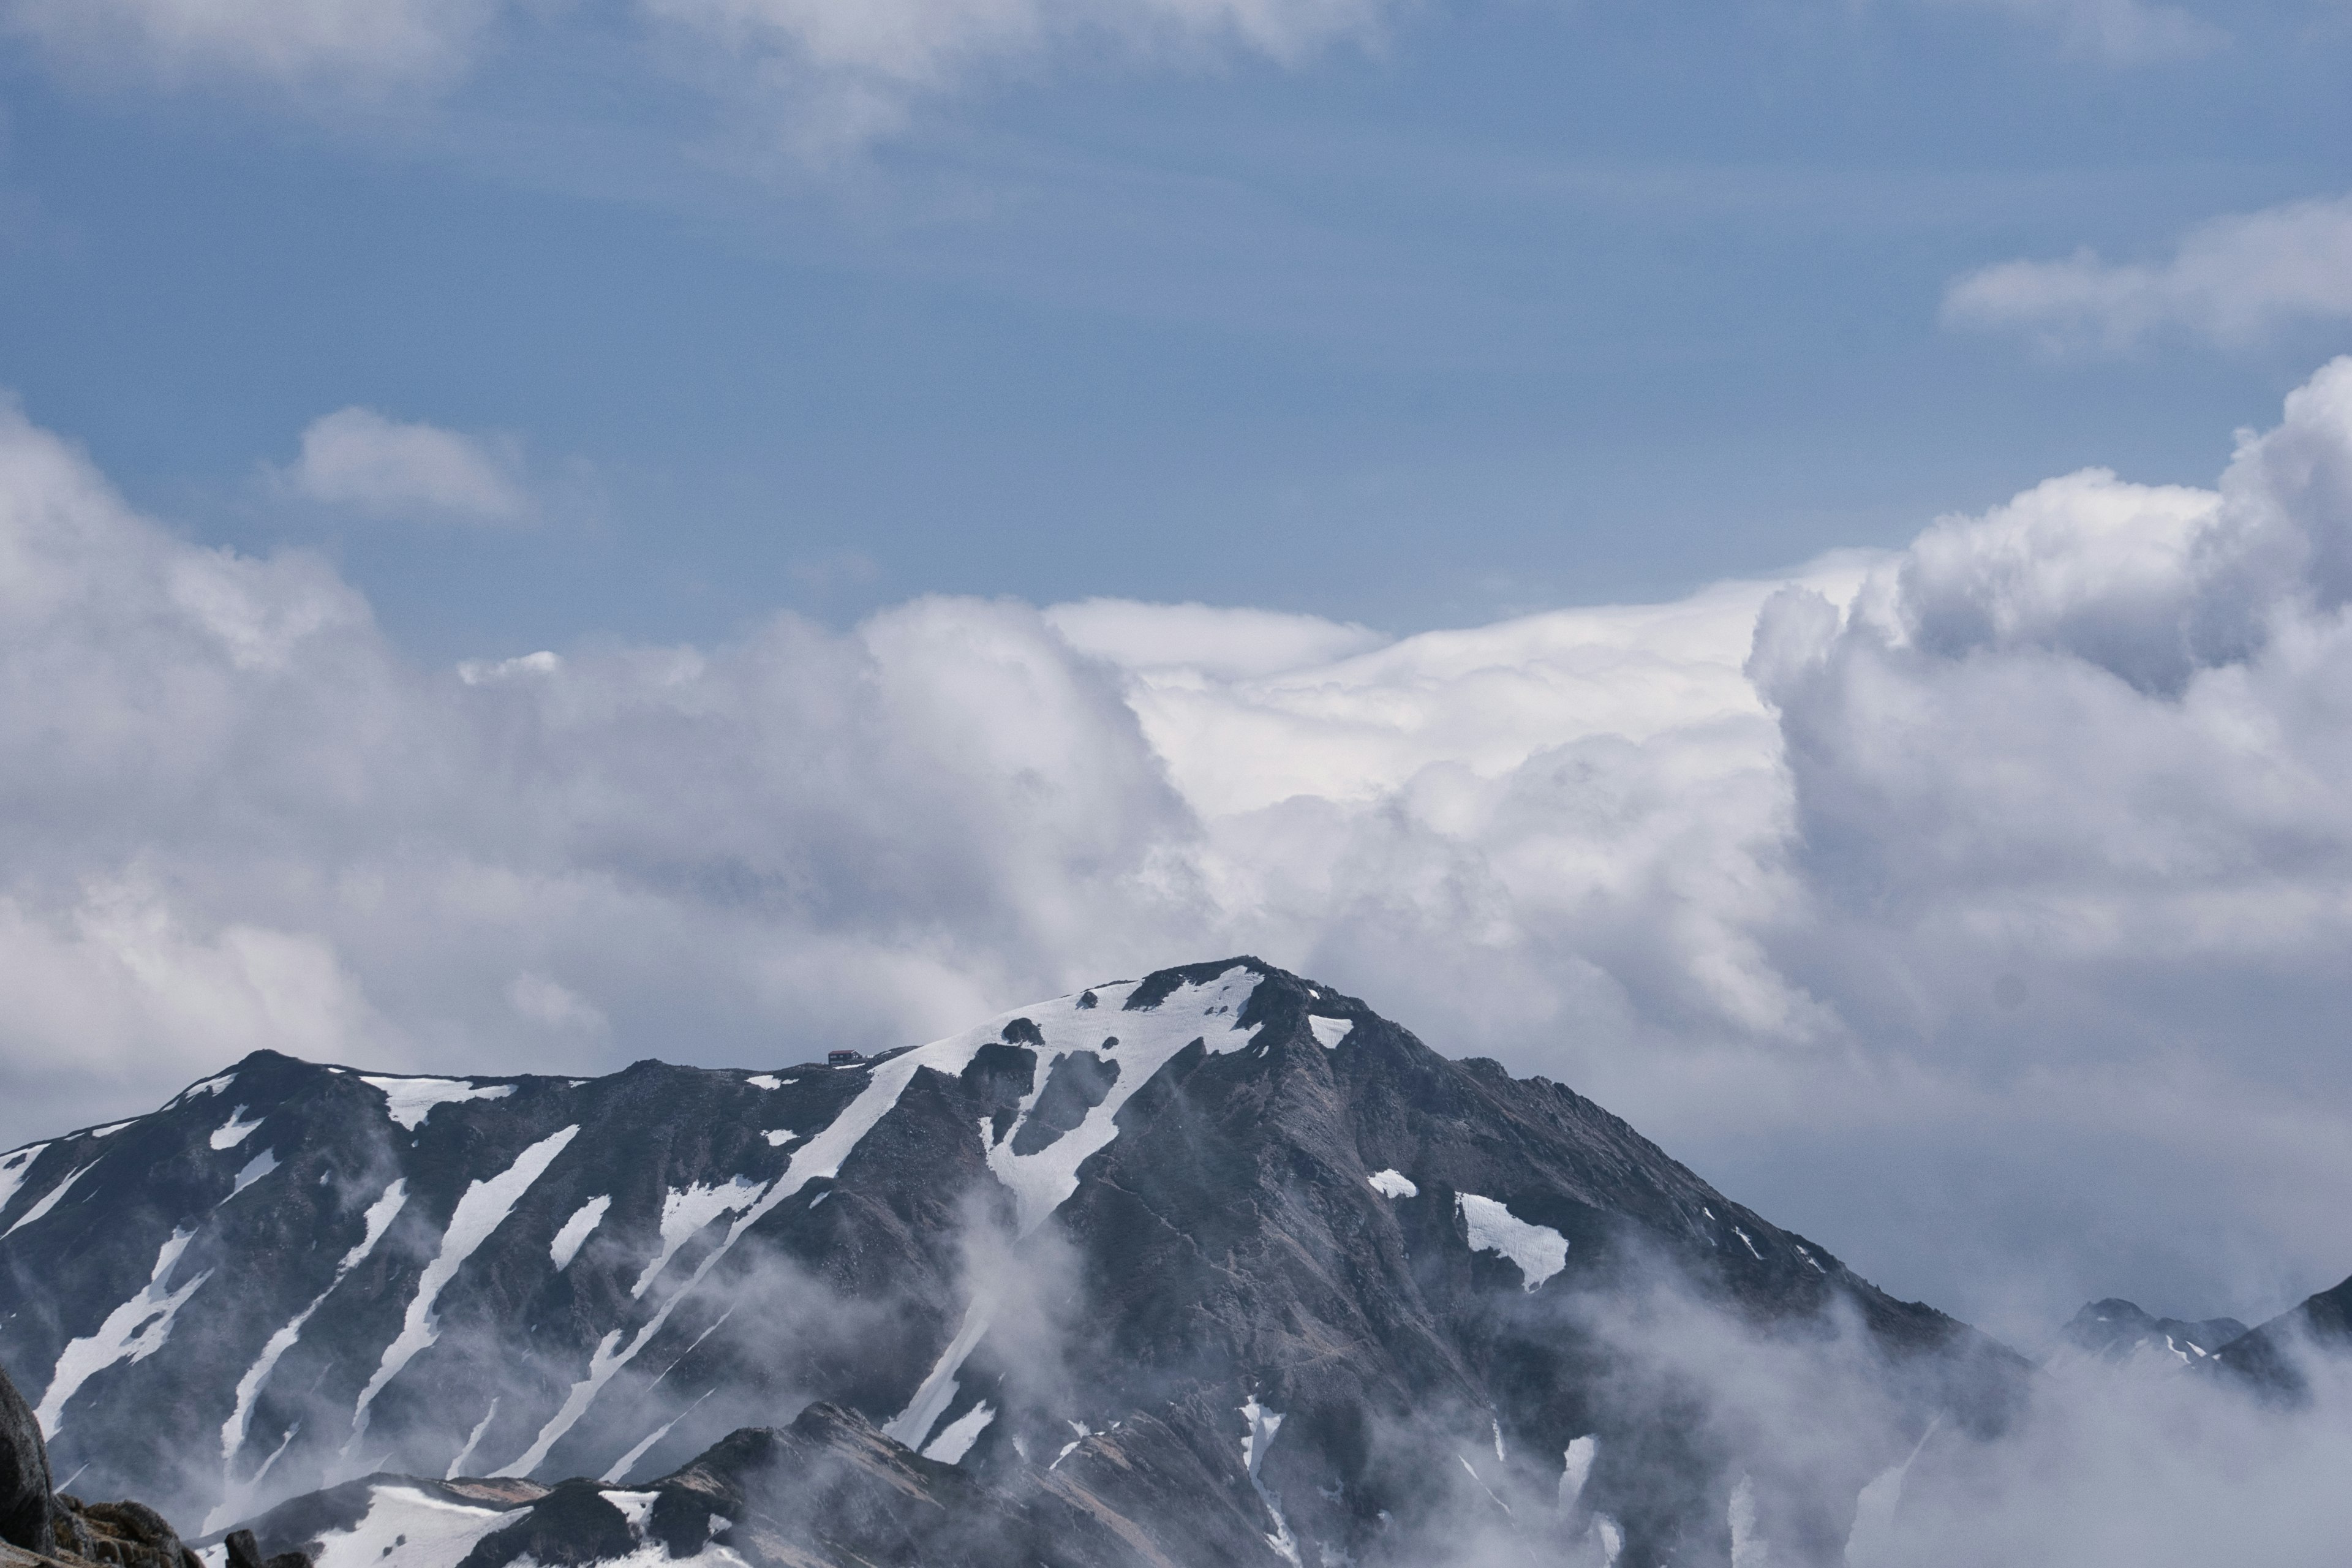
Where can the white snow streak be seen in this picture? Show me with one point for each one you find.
(473, 1441)
(1260, 1425)
(1746, 1549)
(1576, 1469)
(1329, 1032)
(622, 1466)
(133, 1332)
(937, 1390)
(41, 1209)
(1538, 1250)
(764, 1081)
(478, 1214)
(685, 1211)
(577, 1230)
(778, 1137)
(953, 1444)
(409, 1101)
(14, 1169)
(1393, 1184)
(260, 1165)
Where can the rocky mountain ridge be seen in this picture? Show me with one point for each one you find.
(1219, 1261)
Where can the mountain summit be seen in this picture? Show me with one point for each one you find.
(1219, 1260)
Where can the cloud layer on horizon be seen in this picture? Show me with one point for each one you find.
(1979, 908)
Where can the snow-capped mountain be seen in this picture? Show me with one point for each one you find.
(1220, 1263)
(2119, 1334)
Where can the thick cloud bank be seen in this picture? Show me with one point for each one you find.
(1979, 908)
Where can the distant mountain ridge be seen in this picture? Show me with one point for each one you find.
(2117, 1332)
(1251, 1267)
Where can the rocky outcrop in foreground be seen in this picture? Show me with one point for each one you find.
(41, 1527)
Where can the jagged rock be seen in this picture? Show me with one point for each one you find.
(26, 1486)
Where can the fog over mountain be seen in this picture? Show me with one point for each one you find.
(1980, 904)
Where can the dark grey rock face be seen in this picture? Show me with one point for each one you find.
(1220, 1263)
(25, 1486)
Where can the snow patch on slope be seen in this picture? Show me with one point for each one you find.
(1042, 1181)
(956, 1440)
(235, 1130)
(1538, 1250)
(485, 1206)
(1259, 1425)
(685, 1211)
(41, 1209)
(1329, 1032)
(1576, 1469)
(577, 1230)
(260, 1165)
(14, 1169)
(133, 1332)
(1393, 1184)
(409, 1101)
(938, 1389)
(407, 1528)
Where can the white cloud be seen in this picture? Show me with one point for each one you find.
(2234, 280)
(357, 458)
(1979, 908)
(284, 43)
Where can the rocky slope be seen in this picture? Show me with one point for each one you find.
(1219, 1262)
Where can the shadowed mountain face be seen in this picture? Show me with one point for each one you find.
(1218, 1267)
(2270, 1358)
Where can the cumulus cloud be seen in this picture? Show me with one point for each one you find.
(358, 459)
(283, 43)
(1977, 907)
(2234, 280)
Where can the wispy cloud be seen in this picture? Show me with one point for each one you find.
(365, 44)
(357, 460)
(2234, 280)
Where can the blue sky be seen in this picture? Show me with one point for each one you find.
(1451, 312)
